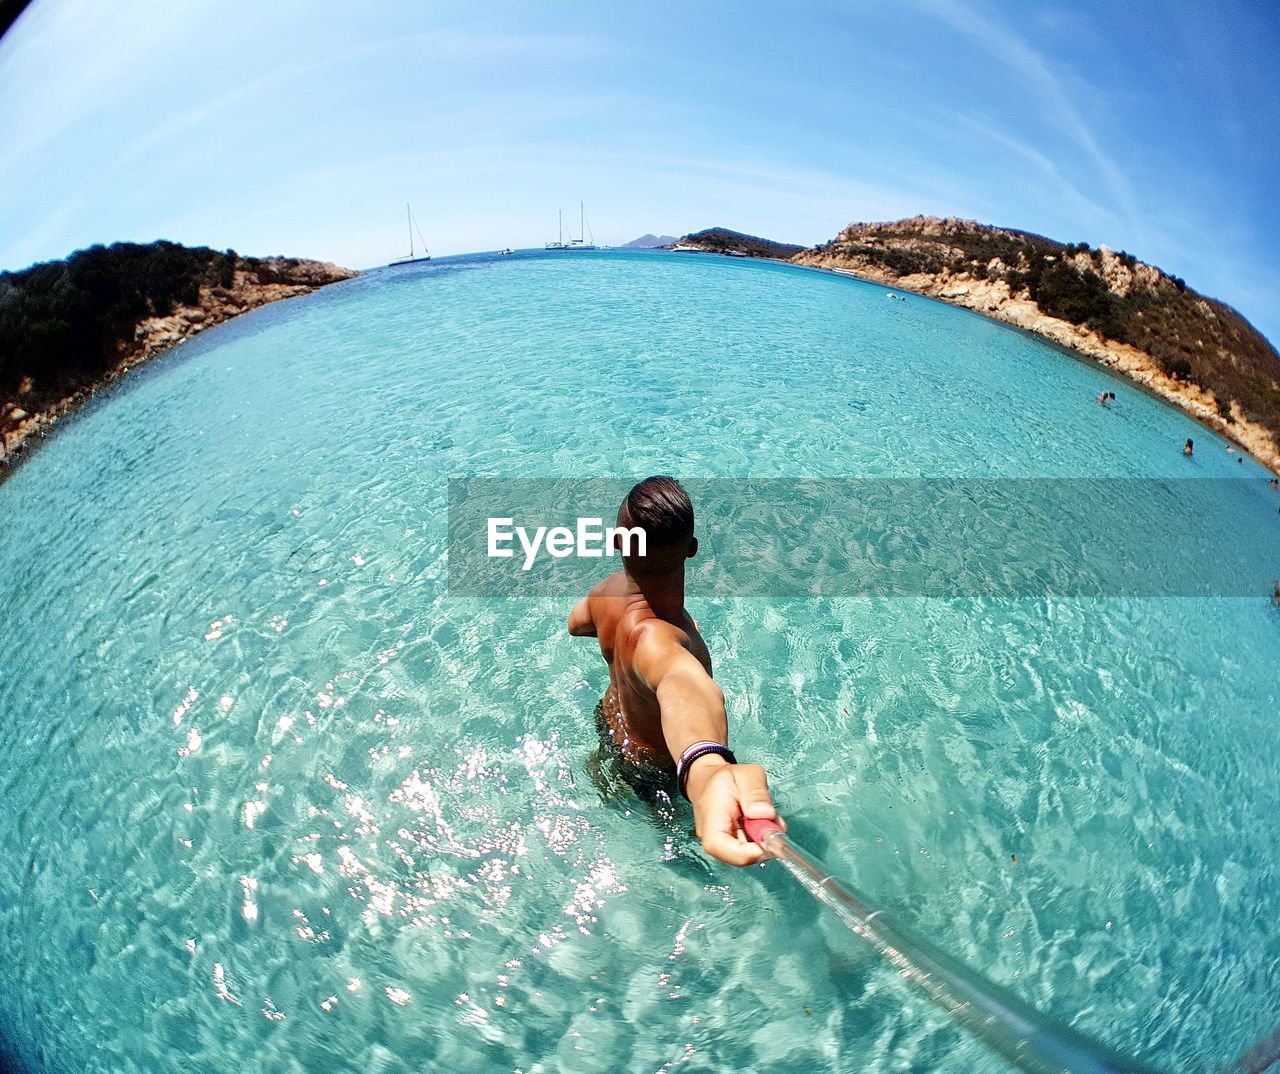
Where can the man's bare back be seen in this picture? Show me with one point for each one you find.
(617, 613)
(663, 708)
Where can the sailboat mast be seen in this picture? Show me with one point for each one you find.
(560, 219)
(582, 215)
(409, 213)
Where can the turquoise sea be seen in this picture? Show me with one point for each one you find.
(272, 799)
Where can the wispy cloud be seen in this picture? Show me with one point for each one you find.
(1080, 202)
(1055, 93)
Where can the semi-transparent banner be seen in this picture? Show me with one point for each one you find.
(1004, 538)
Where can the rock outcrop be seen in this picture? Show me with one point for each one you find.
(251, 283)
(256, 283)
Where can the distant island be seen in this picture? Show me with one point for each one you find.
(649, 242)
(70, 327)
(1193, 351)
(720, 240)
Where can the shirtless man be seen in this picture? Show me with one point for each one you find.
(663, 708)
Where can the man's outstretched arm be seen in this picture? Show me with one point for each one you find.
(692, 708)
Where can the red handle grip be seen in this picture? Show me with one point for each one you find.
(757, 829)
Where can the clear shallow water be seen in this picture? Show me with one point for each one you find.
(271, 800)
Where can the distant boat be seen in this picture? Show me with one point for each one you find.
(506, 251)
(558, 244)
(580, 243)
(584, 229)
(412, 256)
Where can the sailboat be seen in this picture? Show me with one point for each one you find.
(412, 256)
(580, 243)
(559, 243)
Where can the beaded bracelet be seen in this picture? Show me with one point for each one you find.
(691, 754)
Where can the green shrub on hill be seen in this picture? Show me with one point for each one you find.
(62, 322)
(721, 240)
(1061, 290)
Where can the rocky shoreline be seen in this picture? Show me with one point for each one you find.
(891, 255)
(993, 298)
(255, 282)
(1136, 320)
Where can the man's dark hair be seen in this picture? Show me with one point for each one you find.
(661, 507)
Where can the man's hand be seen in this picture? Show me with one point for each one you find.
(722, 794)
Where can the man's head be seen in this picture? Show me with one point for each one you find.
(660, 507)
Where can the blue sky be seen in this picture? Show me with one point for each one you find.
(284, 126)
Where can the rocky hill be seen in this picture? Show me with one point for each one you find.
(1194, 351)
(70, 327)
(719, 240)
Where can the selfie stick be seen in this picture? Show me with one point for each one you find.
(1028, 1039)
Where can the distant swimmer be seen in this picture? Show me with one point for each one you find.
(1102, 399)
(1275, 484)
(1190, 447)
(1111, 396)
